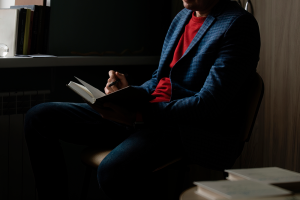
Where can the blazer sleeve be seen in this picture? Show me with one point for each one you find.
(150, 85)
(237, 59)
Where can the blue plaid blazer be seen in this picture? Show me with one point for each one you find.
(207, 82)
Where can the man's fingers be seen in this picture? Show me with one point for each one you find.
(112, 76)
(122, 78)
(106, 91)
(113, 88)
(120, 75)
(111, 73)
(110, 89)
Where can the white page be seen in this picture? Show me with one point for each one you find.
(96, 93)
(79, 90)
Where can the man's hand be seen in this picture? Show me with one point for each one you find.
(115, 113)
(113, 76)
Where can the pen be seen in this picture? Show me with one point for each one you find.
(115, 82)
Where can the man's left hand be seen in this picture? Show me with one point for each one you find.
(115, 113)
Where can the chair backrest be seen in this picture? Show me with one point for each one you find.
(254, 95)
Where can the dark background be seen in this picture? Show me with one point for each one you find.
(101, 26)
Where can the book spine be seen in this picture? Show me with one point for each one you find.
(46, 33)
(40, 34)
(16, 33)
(35, 29)
(30, 33)
(21, 31)
(26, 34)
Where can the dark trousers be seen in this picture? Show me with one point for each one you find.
(126, 172)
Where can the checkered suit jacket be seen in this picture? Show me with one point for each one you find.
(207, 83)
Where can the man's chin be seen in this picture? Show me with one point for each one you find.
(188, 4)
(189, 7)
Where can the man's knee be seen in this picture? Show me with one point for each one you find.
(37, 116)
(110, 174)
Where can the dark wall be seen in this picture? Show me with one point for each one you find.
(101, 26)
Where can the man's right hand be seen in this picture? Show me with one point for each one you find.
(113, 76)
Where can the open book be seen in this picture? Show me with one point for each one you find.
(128, 96)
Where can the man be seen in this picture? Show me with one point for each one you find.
(209, 54)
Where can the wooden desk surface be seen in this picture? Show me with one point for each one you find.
(189, 194)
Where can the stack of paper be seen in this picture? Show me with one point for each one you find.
(270, 175)
(266, 183)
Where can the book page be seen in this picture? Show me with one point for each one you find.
(232, 177)
(96, 93)
(82, 91)
(267, 174)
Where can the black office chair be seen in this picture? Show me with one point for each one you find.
(92, 157)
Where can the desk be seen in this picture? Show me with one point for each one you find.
(189, 194)
(63, 61)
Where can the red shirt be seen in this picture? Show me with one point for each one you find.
(163, 89)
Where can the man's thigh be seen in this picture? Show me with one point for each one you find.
(141, 153)
(133, 161)
(76, 123)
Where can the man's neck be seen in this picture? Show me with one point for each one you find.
(205, 12)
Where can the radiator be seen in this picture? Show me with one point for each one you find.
(16, 176)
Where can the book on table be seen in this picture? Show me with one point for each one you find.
(271, 175)
(129, 96)
(244, 189)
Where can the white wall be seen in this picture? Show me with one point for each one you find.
(6, 3)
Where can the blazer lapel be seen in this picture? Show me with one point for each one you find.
(175, 37)
(207, 23)
(216, 11)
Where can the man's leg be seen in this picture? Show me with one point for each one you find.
(46, 124)
(127, 172)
